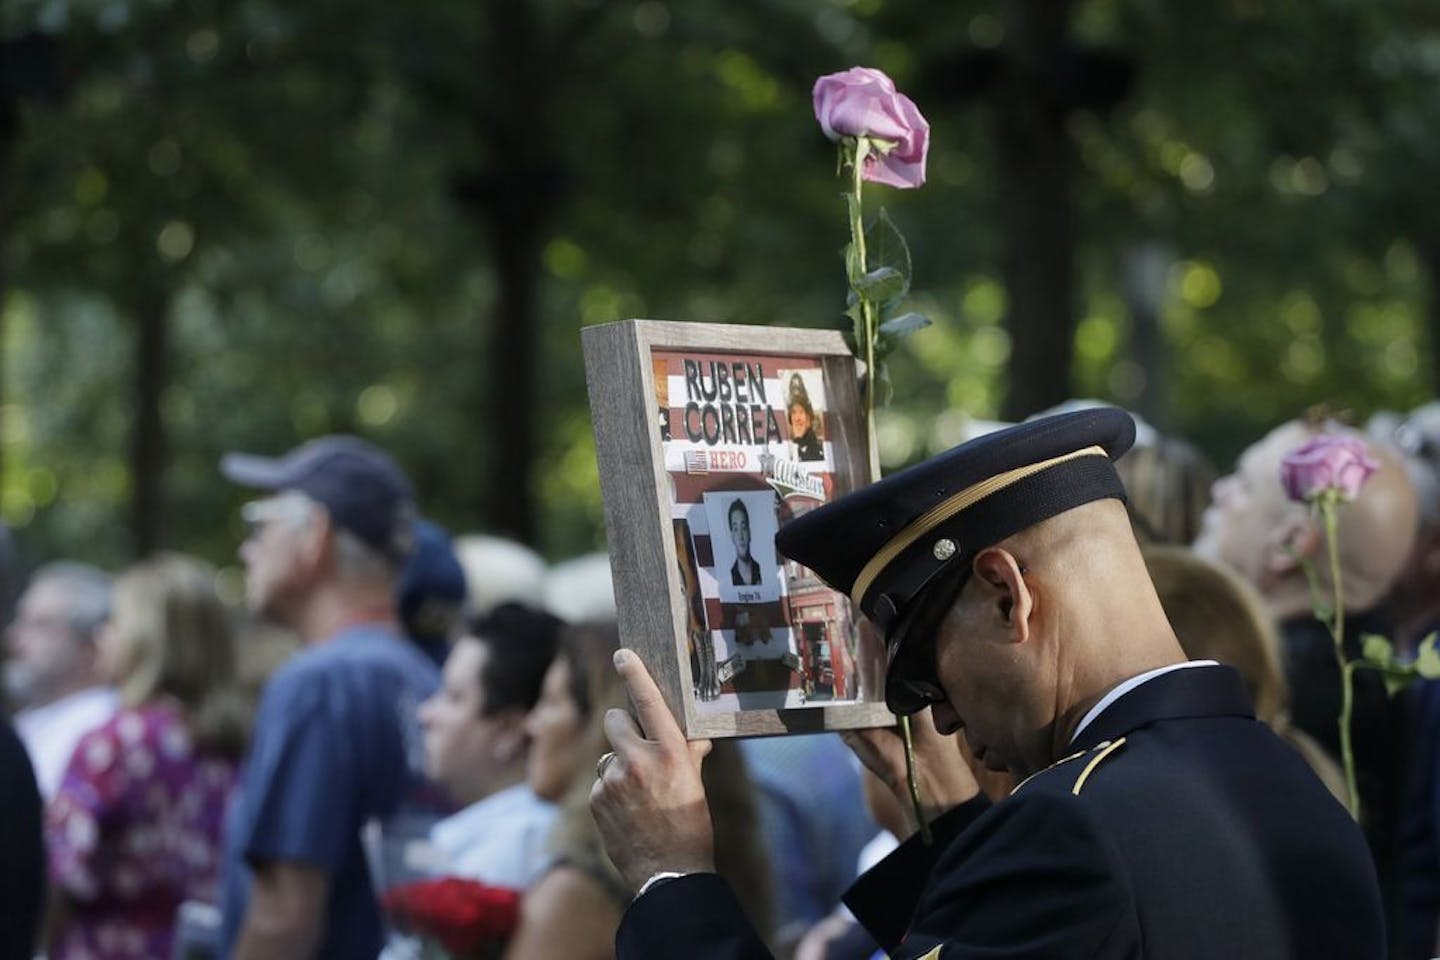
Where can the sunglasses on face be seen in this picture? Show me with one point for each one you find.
(906, 695)
(912, 682)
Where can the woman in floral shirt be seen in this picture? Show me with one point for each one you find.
(135, 827)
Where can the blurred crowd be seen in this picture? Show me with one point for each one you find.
(182, 779)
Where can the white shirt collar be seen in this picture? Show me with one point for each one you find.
(1125, 686)
(51, 732)
(460, 829)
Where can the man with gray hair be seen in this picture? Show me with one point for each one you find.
(1414, 608)
(51, 673)
(1413, 604)
(336, 742)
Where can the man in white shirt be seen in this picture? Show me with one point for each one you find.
(476, 746)
(51, 673)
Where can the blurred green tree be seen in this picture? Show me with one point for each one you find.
(246, 224)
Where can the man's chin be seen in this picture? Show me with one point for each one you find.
(266, 607)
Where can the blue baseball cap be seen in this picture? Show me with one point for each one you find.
(364, 490)
(431, 591)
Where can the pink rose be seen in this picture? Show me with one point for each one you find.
(863, 102)
(1328, 462)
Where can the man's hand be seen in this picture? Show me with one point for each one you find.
(945, 779)
(648, 801)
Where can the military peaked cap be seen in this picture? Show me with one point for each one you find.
(886, 544)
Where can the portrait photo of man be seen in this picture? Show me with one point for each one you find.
(744, 572)
(740, 526)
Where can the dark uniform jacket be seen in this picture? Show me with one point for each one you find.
(1181, 828)
(22, 850)
(1381, 729)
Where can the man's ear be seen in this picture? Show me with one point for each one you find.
(510, 740)
(999, 571)
(318, 546)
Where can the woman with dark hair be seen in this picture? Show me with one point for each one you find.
(135, 827)
(574, 908)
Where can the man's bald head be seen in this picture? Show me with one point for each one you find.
(1103, 525)
(1255, 529)
(1050, 619)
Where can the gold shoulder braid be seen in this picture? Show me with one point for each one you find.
(1103, 750)
(1100, 752)
(1078, 753)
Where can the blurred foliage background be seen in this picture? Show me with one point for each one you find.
(235, 224)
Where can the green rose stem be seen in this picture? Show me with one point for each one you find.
(867, 308)
(867, 314)
(1327, 503)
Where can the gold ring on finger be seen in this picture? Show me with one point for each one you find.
(602, 763)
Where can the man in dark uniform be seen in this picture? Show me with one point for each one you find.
(1156, 817)
(22, 850)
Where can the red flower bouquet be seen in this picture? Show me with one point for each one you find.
(465, 918)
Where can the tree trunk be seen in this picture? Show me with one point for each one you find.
(1037, 210)
(517, 201)
(513, 358)
(148, 452)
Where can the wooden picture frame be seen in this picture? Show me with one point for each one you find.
(708, 436)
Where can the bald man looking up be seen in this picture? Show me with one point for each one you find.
(1253, 527)
(1154, 818)
(1259, 532)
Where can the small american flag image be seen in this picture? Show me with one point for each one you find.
(697, 462)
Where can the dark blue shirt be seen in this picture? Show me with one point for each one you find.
(22, 882)
(337, 743)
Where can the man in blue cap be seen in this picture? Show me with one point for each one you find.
(336, 743)
(431, 592)
(1155, 817)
